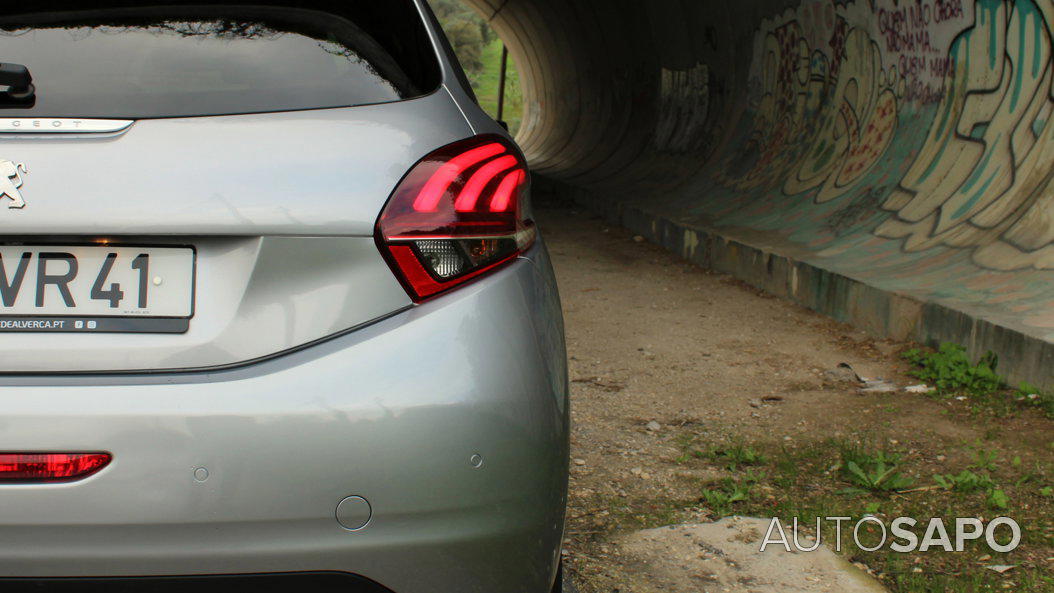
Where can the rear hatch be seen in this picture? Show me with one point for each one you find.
(186, 187)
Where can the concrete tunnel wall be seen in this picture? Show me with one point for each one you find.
(886, 162)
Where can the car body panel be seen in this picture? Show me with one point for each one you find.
(393, 412)
(291, 391)
(255, 297)
(305, 173)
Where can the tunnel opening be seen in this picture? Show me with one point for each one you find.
(886, 163)
(491, 72)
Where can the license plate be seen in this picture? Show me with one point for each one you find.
(96, 288)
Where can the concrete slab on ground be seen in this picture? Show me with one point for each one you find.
(725, 556)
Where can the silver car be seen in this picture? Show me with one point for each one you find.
(274, 313)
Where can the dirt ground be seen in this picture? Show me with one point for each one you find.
(662, 351)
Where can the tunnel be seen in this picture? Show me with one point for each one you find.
(885, 162)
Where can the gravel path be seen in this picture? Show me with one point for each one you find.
(661, 351)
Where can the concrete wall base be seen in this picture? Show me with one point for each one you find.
(881, 313)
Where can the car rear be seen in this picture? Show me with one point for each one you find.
(272, 307)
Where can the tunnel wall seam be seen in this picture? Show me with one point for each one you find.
(881, 313)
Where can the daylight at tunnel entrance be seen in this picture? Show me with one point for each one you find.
(886, 162)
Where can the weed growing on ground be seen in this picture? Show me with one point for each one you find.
(735, 456)
(997, 499)
(730, 457)
(965, 481)
(984, 459)
(876, 471)
(721, 499)
(809, 481)
(1034, 396)
(951, 373)
(644, 514)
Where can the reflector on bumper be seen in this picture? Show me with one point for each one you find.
(50, 467)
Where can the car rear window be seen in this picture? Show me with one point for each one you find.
(127, 60)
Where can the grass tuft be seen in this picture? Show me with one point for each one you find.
(951, 373)
(810, 481)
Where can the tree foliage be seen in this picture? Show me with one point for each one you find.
(479, 50)
(467, 31)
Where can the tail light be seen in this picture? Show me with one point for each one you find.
(459, 213)
(50, 467)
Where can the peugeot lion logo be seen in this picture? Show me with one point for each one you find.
(10, 181)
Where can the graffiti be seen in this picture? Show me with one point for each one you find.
(685, 98)
(849, 142)
(905, 30)
(827, 109)
(983, 178)
(915, 34)
(834, 83)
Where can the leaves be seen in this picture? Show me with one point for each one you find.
(735, 456)
(998, 499)
(722, 499)
(878, 473)
(731, 457)
(984, 458)
(467, 32)
(950, 370)
(1034, 396)
(965, 481)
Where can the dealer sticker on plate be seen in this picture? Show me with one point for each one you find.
(96, 288)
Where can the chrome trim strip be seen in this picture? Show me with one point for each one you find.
(61, 125)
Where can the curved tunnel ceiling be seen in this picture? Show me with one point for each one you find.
(609, 83)
(907, 144)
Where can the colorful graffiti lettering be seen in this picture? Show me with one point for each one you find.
(983, 178)
(827, 109)
(832, 82)
(849, 141)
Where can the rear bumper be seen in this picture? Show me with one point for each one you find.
(393, 413)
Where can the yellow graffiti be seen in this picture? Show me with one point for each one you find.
(861, 130)
(822, 121)
(983, 177)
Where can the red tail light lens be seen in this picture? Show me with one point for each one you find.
(459, 213)
(50, 467)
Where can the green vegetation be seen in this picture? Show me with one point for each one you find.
(950, 371)
(874, 471)
(984, 458)
(965, 481)
(721, 499)
(467, 31)
(854, 476)
(997, 499)
(730, 457)
(952, 374)
(868, 473)
(478, 49)
(644, 514)
(487, 83)
(1032, 395)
